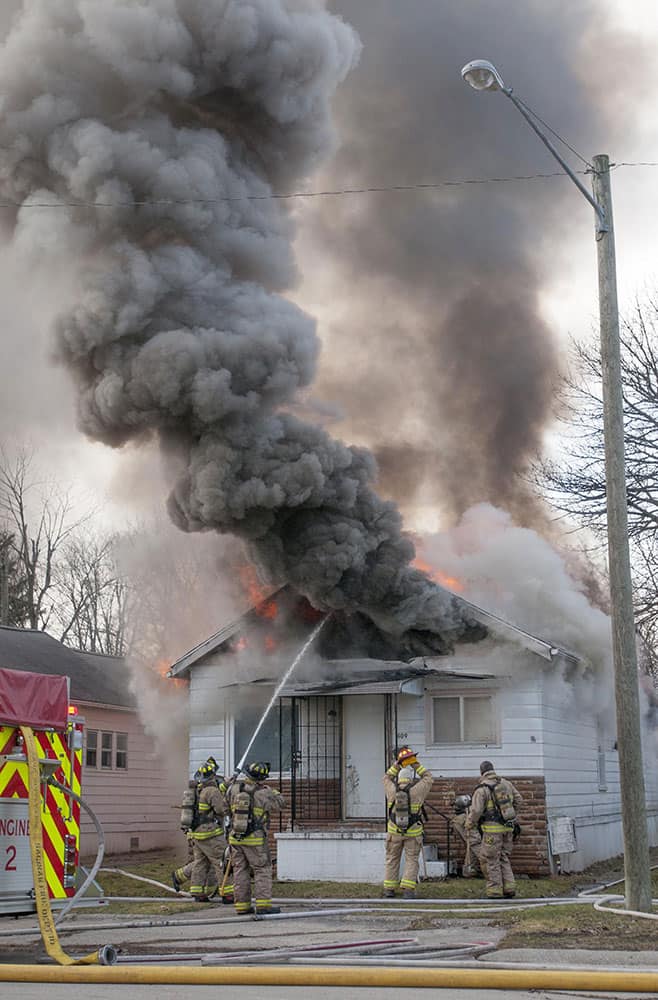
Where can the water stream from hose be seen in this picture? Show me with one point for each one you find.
(282, 683)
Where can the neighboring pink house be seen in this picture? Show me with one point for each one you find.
(124, 779)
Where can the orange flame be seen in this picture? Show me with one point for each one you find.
(259, 598)
(451, 582)
(270, 643)
(240, 644)
(162, 667)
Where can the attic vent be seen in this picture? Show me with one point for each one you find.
(134, 843)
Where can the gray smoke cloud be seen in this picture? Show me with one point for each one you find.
(440, 355)
(178, 120)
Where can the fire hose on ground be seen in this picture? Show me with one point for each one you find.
(343, 976)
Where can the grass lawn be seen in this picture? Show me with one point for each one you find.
(569, 926)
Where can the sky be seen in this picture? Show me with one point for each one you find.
(38, 401)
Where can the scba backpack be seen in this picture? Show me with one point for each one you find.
(242, 811)
(503, 801)
(401, 810)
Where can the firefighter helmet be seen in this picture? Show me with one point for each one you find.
(462, 802)
(207, 771)
(406, 756)
(259, 770)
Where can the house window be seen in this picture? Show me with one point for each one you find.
(106, 749)
(266, 746)
(91, 753)
(463, 718)
(121, 758)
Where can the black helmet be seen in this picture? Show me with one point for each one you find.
(462, 802)
(259, 770)
(207, 771)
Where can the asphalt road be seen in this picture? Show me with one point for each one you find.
(49, 991)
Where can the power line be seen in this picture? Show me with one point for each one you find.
(288, 196)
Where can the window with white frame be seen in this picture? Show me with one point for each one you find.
(463, 718)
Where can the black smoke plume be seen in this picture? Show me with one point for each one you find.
(157, 130)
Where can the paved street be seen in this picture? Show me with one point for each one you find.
(200, 935)
(29, 991)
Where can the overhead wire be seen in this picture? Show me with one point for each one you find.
(327, 193)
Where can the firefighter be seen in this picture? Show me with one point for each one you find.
(189, 819)
(406, 786)
(208, 833)
(470, 837)
(250, 802)
(494, 810)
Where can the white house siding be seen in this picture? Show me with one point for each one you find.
(138, 807)
(208, 725)
(518, 749)
(571, 753)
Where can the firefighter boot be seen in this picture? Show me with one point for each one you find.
(174, 881)
(408, 893)
(266, 911)
(389, 893)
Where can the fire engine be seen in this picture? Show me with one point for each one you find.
(40, 702)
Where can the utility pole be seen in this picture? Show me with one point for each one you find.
(629, 741)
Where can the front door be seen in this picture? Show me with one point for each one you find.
(363, 727)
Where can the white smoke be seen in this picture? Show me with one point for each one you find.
(516, 574)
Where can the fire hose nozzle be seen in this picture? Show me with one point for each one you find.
(107, 955)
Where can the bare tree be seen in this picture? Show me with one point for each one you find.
(91, 595)
(575, 484)
(13, 589)
(40, 518)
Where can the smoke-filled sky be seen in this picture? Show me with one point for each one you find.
(442, 313)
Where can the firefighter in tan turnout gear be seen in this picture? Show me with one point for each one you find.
(250, 802)
(208, 834)
(406, 786)
(494, 809)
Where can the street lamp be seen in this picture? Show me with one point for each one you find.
(483, 75)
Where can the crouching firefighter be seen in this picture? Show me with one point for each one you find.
(207, 834)
(494, 810)
(472, 838)
(406, 786)
(250, 802)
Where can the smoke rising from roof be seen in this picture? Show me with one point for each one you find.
(175, 117)
(438, 344)
(179, 328)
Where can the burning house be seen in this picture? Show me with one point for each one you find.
(357, 695)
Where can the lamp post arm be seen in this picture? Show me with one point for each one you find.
(602, 226)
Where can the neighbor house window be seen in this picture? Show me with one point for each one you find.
(121, 758)
(91, 754)
(463, 718)
(106, 749)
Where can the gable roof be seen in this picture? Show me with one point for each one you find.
(495, 625)
(98, 679)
